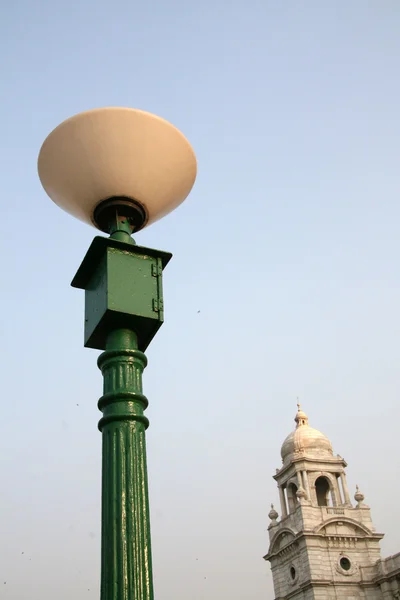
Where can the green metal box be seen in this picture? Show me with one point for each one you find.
(123, 289)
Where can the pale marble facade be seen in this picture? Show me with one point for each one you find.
(324, 547)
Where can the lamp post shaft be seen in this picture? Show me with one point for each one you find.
(123, 312)
(126, 569)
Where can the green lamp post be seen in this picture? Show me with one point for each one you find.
(120, 170)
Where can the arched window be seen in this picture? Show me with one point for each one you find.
(323, 491)
(292, 498)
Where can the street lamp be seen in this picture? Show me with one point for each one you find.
(120, 170)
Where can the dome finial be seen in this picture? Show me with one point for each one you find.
(301, 417)
(359, 497)
(273, 515)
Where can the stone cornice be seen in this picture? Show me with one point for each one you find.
(335, 460)
(323, 583)
(387, 577)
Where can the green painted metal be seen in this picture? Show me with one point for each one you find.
(123, 288)
(123, 311)
(126, 571)
(120, 228)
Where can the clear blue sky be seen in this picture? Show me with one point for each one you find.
(289, 246)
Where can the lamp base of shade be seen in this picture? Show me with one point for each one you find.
(107, 214)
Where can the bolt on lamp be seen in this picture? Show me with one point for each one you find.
(120, 170)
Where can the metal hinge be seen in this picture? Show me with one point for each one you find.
(156, 270)
(158, 305)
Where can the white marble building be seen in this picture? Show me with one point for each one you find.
(324, 547)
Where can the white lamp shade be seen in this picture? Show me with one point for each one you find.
(109, 152)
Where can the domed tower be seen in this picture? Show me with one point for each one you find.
(299, 481)
(322, 547)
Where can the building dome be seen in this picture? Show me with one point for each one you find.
(305, 440)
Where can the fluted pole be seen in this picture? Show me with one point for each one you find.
(126, 568)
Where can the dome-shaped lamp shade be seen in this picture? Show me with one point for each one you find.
(117, 152)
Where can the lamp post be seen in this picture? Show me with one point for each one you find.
(120, 170)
